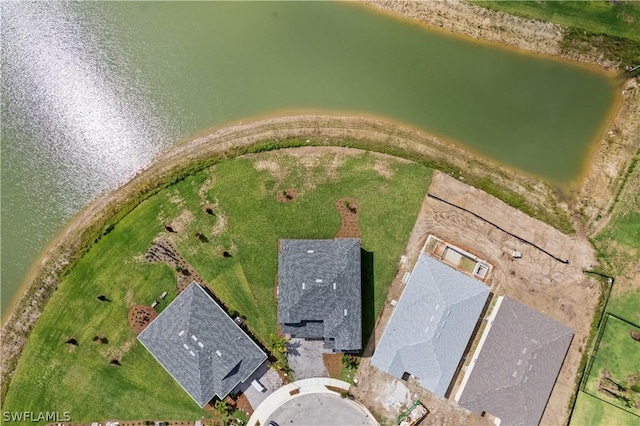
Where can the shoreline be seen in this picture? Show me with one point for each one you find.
(223, 143)
(593, 196)
(483, 25)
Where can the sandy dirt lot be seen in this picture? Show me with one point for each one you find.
(559, 290)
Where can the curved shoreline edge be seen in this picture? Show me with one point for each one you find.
(186, 158)
(594, 199)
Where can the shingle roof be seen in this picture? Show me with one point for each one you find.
(200, 346)
(319, 280)
(431, 325)
(517, 365)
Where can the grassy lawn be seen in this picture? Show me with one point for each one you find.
(626, 306)
(592, 411)
(619, 19)
(618, 354)
(248, 222)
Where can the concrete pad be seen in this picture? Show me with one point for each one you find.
(267, 377)
(305, 358)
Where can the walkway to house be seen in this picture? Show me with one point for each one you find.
(271, 406)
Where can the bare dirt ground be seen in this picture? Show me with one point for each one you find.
(610, 162)
(348, 210)
(544, 283)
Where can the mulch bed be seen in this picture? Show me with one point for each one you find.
(242, 403)
(140, 316)
(287, 195)
(334, 389)
(333, 362)
(348, 209)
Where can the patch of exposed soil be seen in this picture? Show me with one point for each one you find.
(287, 195)
(559, 290)
(205, 188)
(179, 223)
(220, 225)
(348, 210)
(209, 208)
(242, 403)
(271, 166)
(140, 316)
(333, 364)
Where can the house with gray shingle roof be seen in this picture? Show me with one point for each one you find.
(431, 325)
(202, 348)
(519, 359)
(319, 291)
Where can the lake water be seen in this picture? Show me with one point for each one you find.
(91, 92)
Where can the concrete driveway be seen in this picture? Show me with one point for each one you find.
(305, 358)
(267, 377)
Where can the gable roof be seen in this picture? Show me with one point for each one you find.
(200, 346)
(320, 280)
(431, 325)
(517, 366)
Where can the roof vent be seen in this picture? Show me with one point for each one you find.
(218, 353)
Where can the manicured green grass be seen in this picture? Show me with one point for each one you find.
(255, 221)
(593, 411)
(617, 353)
(53, 377)
(626, 306)
(607, 17)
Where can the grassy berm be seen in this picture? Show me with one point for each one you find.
(246, 221)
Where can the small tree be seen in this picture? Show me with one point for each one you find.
(278, 344)
(202, 237)
(350, 362)
(222, 407)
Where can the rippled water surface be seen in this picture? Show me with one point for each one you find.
(91, 92)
